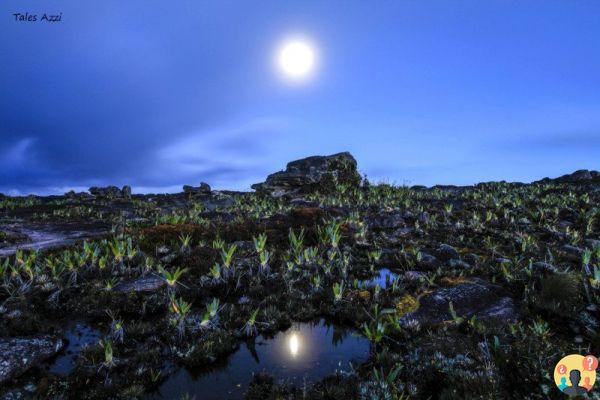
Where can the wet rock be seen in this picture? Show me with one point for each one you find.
(572, 253)
(385, 220)
(414, 276)
(126, 192)
(572, 250)
(148, 283)
(108, 192)
(446, 252)
(17, 355)
(428, 261)
(458, 264)
(502, 260)
(474, 297)
(592, 243)
(543, 267)
(307, 175)
(564, 224)
(203, 189)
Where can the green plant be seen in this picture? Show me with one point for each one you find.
(227, 255)
(172, 278)
(455, 317)
(249, 328)
(338, 291)
(260, 242)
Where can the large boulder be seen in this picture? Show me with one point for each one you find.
(203, 189)
(107, 192)
(580, 176)
(468, 298)
(17, 355)
(307, 175)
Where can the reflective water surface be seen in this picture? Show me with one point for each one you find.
(384, 278)
(78, 335)
(305, 353)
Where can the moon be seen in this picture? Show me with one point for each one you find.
(296, 59)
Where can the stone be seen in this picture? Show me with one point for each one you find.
(543, 267)
(578, 176)
(592, 243)
(573, 250)
(19, 354)
(428, 261)
(108, 192)
(203, 189)
(311, 174)
(458, 264)
(474, 297)
(148, 283)
(126, 192)
(414, 276)
(385, 220)
(446, 252)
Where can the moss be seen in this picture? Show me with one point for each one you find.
(406, 304)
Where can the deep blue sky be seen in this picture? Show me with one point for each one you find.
(160, 93)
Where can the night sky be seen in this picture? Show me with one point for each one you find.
(156, 94)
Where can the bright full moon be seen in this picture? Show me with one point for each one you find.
(296, 59)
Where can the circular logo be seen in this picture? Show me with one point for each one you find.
(575, 374)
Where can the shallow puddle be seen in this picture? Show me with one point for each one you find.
(384, 278)
(304, 354)
(79, 335)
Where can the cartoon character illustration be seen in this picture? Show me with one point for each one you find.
(563, 383)
(587, 385)
(575, 389)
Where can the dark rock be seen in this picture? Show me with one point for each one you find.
(567, 248)
(475, 297)
(446, 252)
(458, 264)
(108, 192)
(17, 355)
(203, 189)
(385, 220)
(543, 267)
(578, 176)
(572, 253)
(428, 261)
(148, 283)
(592, 243)
(307, 175)
(126, 192)
(414, 276)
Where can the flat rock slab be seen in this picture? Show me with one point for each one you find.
(475, 297)
(44, 236)
(148, 283)
(17, 355)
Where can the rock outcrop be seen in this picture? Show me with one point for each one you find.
(17, 355)
(577, 177)
(307, 175)
(111, 192)
(149, 283)
(474, 297)
(203, 189)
